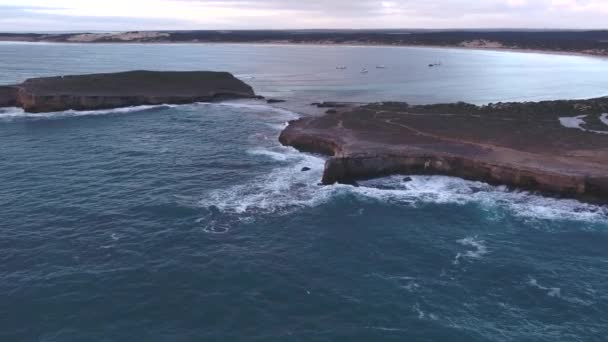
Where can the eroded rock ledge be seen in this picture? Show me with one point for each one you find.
(522, 145)
(123, 89)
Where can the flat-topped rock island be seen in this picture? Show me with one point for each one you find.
(555, 147)
(123, 89)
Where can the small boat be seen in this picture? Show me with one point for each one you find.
(364, 71)
(434, 64)
(341, 67)
(380, 66)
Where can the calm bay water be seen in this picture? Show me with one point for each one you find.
(309, 73)
(191, 223)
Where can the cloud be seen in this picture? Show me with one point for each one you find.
(29, 15)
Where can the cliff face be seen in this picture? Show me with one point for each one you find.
(8, 97)
(102, 91)
(498, 144)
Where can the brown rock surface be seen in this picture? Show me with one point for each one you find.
(7, 97)
(112, 90)
(522, 145)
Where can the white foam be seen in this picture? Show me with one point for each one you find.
(556, 292)
(278, 156)
(450, 190)
(263, 108)
(18, 113)
(479, 249)
(551, 291)
(286, 188)
(11, 113)
(281, 190)
(278, 127)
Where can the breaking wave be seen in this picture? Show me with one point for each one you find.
(287, 187)
(13, 113)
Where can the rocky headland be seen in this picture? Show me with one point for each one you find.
(554, 147)
(123, 89)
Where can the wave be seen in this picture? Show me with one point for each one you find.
(278, 156)
(12, 113)
(264, 108)
(451, 190)
(280, 191)
(286, 188)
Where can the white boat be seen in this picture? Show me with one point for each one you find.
(364, 71)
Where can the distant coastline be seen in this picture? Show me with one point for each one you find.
(279, 43)
(584, 43)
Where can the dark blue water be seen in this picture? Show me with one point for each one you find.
(191, 223)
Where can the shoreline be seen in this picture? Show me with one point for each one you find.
(464, 141)
(318, 44)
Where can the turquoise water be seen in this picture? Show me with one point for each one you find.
(192, 223)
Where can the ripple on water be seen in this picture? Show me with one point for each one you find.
(478, 246)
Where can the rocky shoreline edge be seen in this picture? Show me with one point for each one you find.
(559, 148)
(122, 89)
(521, 145)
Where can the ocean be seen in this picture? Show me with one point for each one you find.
(192, 223)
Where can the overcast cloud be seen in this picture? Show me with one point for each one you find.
(70, 15)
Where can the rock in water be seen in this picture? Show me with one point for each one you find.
(522, 145)
(274, 101)
(124, 89)
(304, 169)
(8, 97)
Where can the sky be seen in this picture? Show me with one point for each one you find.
(121, 15)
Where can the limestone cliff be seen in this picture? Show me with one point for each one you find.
(523, 145)
(112, 90)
